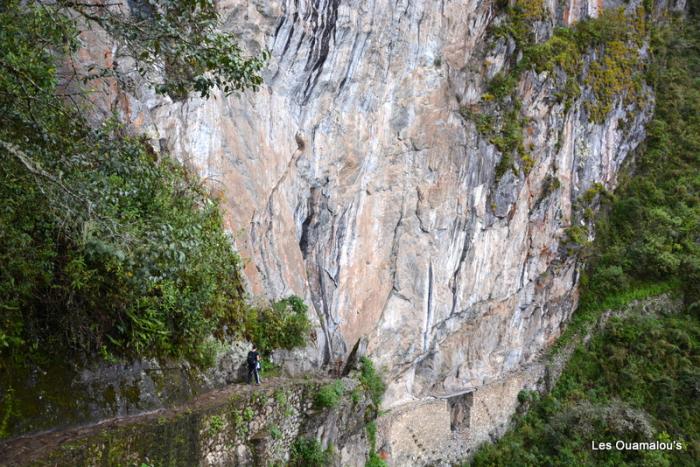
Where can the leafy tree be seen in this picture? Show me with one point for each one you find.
(105, 245)
(307, 452)
(175, 44)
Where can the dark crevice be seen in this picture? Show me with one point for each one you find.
(323, 20)
(279, 26)
(308, 227)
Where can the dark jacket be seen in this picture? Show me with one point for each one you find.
(252, 359)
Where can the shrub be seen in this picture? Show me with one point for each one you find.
(356, 395)
(307, 452)
(283, 325)
(528, 395)
(371, 381)
(216, 425)
(502, 85)
(329, 395)
(609, 280)
(248, 414)
(281, 398)
(372, 435)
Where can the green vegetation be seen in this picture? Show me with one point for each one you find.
(283, 325)
(521, 16)
(371, 381)
(638, 379)
(578, 235)
(613, 38)
(612, 43)
(281, 398)
(216, 425)
(550, 185)
(107, 247)
(275, 432)
(504, 132)
(374, 387)
(649, 229)
(330, 395)
(176, 44)
(307, 452)
(356, 395)
(269, 369)
(373, 459)
(590, 308)
(248, 414)
(240, 426)
(372, 435)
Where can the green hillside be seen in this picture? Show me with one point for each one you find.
(639, 378)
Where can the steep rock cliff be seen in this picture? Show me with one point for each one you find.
(352, 179)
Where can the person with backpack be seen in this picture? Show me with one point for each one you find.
(253, 361)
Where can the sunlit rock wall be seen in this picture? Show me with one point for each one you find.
(351, 179)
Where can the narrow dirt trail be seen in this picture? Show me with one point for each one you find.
(25, 449)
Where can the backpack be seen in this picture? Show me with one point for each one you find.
(252, 360)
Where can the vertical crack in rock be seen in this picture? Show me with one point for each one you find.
(454, 280)
(295, 16)
(429, 308)
(393, 260)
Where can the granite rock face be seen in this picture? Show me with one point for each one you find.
(352, 180)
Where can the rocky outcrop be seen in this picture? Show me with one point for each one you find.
(351, 179)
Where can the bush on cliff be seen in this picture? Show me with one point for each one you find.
(282, 325)
(329, 395)
(371, 381)
(307, 452)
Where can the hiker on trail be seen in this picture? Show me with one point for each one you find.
(253, 361)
